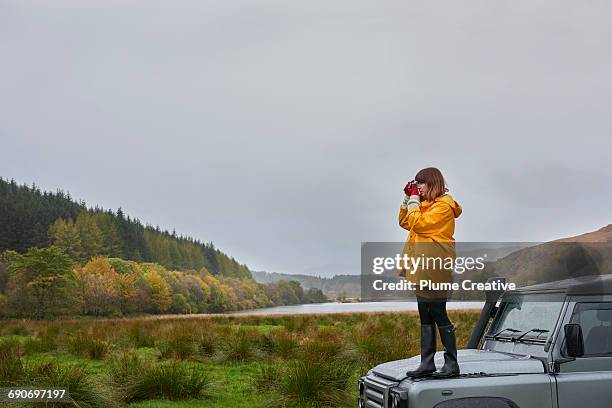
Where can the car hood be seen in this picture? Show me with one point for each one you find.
(470, 362)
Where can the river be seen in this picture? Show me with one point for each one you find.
(334, 307)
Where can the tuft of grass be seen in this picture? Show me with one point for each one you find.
(324, 344)
(207, 343)
(49, 337)
(381, 339)
(266, 377)
(138, 379)
(180, 347)
(312, 383)
(265, 343)
(299, 323)
(94, 348)
(84, 390)
(139, 336)
(19, 329)
(239, 345)
(32, 345)
(285, 344)
(11, 367)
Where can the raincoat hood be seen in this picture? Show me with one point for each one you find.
(433, 221)
(448, 199)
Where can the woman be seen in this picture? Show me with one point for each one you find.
(429, 213)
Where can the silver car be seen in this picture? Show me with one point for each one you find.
(548, 345)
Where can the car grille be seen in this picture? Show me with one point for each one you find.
(376, 391)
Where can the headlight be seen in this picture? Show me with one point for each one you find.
(395, 400)
(361, 387)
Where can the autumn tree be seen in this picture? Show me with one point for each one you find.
(90, 236)
(39, 284)
(64, 234)
(222, 297)
(159, 291)
(99, 288)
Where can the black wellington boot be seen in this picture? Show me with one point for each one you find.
(449, 341)
(428, 350)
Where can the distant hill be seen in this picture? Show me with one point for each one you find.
(330, 270)
(586, 254)
(30, 218)
(339, 285)
(601, 235)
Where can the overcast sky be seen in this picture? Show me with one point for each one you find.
(284, 131)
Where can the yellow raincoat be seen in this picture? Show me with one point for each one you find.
(431, 226)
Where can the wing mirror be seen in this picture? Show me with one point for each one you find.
(573, 340)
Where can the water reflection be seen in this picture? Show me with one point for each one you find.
(334, 307)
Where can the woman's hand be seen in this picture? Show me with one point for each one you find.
(411, 188)
(408, 187)
(412, 198)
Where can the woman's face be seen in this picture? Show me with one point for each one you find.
(423, 189)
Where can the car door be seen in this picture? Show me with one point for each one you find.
(587, 380)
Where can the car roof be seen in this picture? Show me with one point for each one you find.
(580, 285)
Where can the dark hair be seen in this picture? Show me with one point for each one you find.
(434, 180)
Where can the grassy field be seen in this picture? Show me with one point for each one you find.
(217, 361)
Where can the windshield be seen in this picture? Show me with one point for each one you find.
(530, 316)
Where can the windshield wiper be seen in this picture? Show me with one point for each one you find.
(539, 331)
(497, 335)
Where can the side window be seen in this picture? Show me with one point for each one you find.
(595, 319)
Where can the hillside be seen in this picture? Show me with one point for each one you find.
(59, 258)
(30, 218)
(585, 254)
